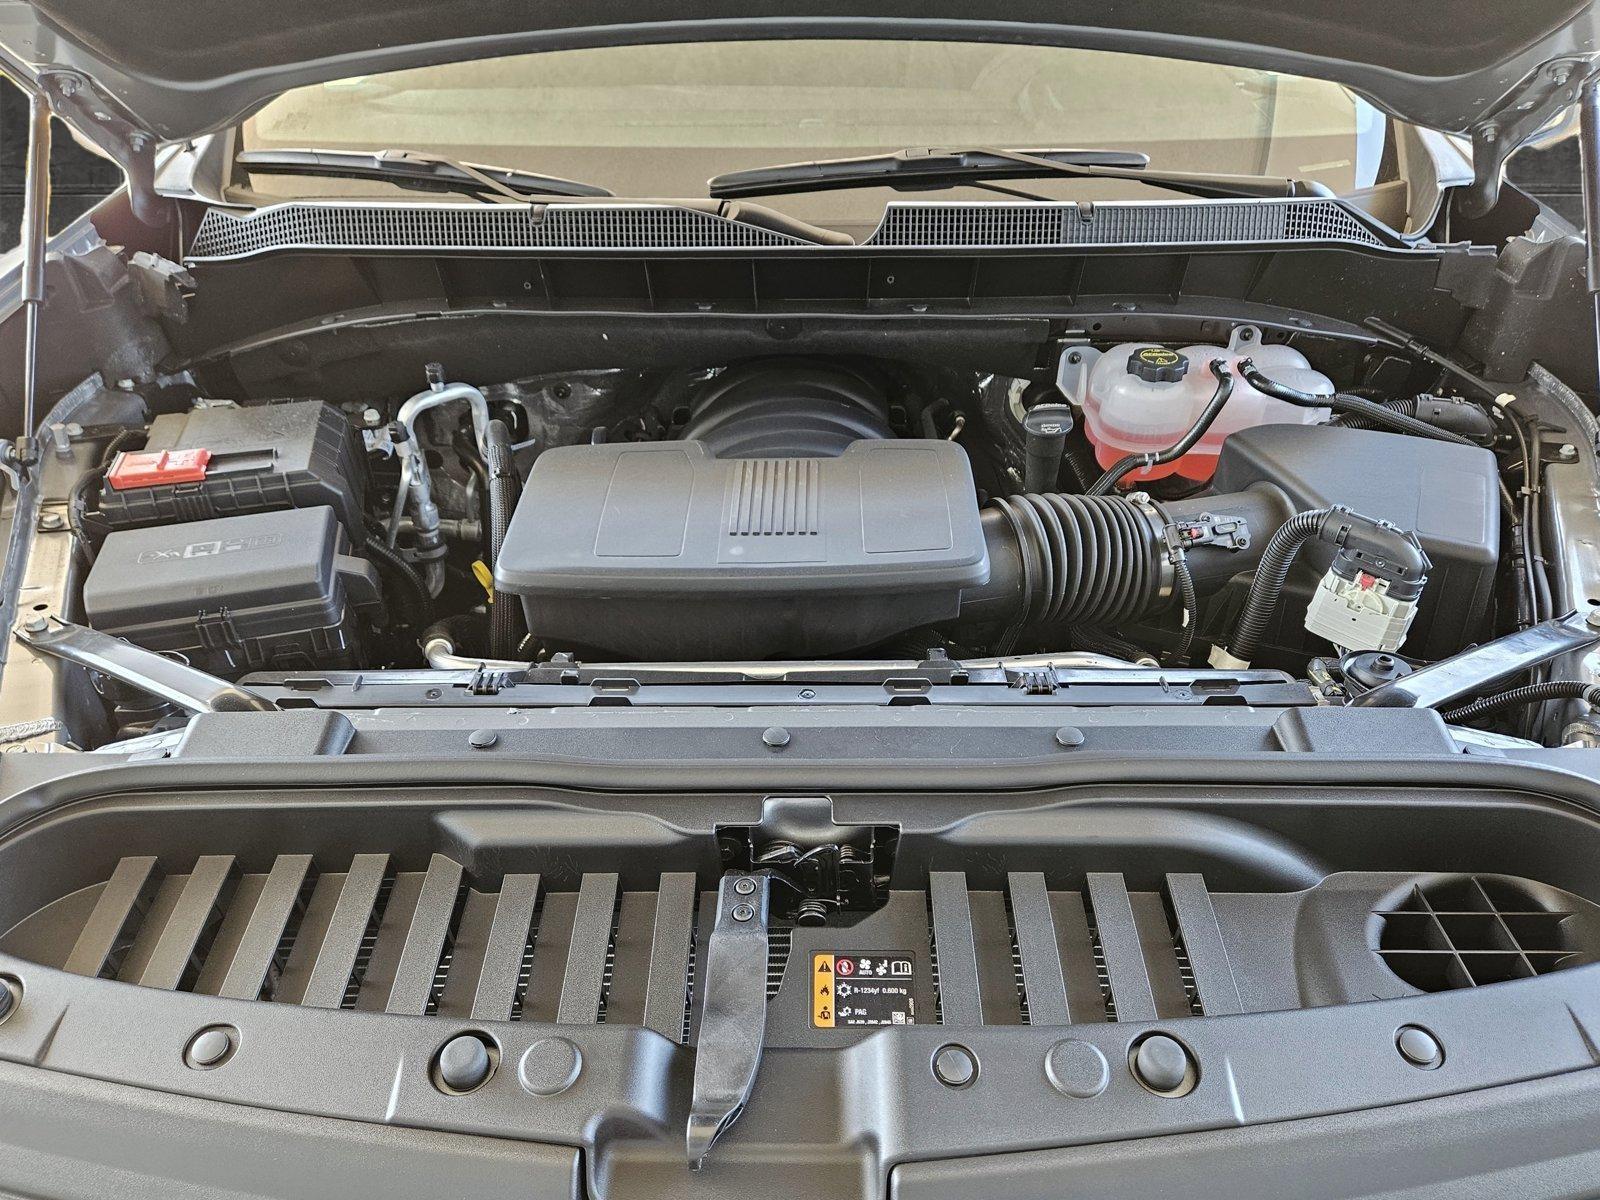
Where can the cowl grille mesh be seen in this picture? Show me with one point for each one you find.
(445, 228)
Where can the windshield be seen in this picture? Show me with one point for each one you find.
(659, 120)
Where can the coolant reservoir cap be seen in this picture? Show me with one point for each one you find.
(1157, 364)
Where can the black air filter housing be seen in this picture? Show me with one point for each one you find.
(659, 551)
(1445, 493)
(264, 591)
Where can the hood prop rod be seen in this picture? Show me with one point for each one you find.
(35, 232)
(733, 1013)
(1589, 151)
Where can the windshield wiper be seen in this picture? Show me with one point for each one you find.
(413, 168)
(922, 170)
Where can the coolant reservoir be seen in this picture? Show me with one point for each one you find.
(1139, 398)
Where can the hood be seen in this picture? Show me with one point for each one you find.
(178, 68)
(133, 73)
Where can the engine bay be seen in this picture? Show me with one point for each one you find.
(1119, 502)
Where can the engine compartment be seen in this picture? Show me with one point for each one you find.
(804, 507)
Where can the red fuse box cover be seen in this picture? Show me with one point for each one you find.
(152, 468)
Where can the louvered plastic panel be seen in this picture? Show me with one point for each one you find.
(448, 228)
(1205, 222)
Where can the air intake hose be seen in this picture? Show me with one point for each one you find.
(1086, 561)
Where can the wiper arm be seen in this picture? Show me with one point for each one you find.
(921, 170)
(414, 168)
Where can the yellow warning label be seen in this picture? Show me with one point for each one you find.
(822, 998)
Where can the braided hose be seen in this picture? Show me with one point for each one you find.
(1345, 403)
(1534, 693)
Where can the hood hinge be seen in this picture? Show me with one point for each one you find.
(104, 122)
(1527, 110)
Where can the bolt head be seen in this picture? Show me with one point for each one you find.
(743, 912)
(745, 886)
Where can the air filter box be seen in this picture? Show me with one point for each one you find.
(264, 591)
(659, 551)
(224, 459)
(1445, 493)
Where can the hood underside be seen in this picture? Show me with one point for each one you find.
(184, 67)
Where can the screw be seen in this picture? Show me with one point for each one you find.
(8, 999)
(482, 739)
(743, 912)
(745, 886)
(40, 624)
(1567, 453)
(775, 736)
(52, 521)
(807, 694)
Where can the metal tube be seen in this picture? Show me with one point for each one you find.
(1589, 149)
(35, 231)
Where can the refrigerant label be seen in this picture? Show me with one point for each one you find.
(852, 990)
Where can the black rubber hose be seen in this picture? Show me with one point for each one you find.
(417, 604)
(1208, 417)
(1534, 693)
(505, 614)
(1086, 560)
(1462, 417)
(1267, 585)
(1343, 402)
(79, 497)
(1191, 611)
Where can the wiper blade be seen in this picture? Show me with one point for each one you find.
(414, 168)
(921, 170)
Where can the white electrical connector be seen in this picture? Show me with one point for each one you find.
(1359, 613)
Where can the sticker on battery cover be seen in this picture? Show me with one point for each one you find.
(850, 991)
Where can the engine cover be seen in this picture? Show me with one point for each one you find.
(660, 551)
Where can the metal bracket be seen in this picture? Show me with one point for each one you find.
(104, 121)
(733, 1013)
(1485, 665)
(179, 684)
(1527, 110)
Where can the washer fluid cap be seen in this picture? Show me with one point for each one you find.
(1157, 364)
